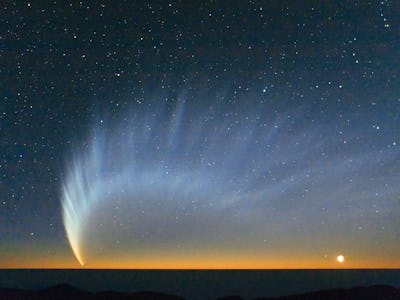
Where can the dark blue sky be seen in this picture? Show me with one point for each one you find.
(296, 105)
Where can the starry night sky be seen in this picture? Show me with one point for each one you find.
(213, 134)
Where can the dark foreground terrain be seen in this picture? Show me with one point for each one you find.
(67, 292)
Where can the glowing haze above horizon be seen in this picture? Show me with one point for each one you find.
(200, 136)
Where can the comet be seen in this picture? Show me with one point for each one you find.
(181, 175)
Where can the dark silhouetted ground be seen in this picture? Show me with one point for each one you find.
(67, 292)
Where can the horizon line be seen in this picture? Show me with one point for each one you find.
(204, 269)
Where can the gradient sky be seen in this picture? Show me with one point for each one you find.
(200, 134)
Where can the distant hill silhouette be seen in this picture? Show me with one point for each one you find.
(376, 292)
(67, 292)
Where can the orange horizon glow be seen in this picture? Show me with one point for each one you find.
(48, 256)
(199, 264)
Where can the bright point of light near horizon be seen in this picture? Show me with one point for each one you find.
(340, 258)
